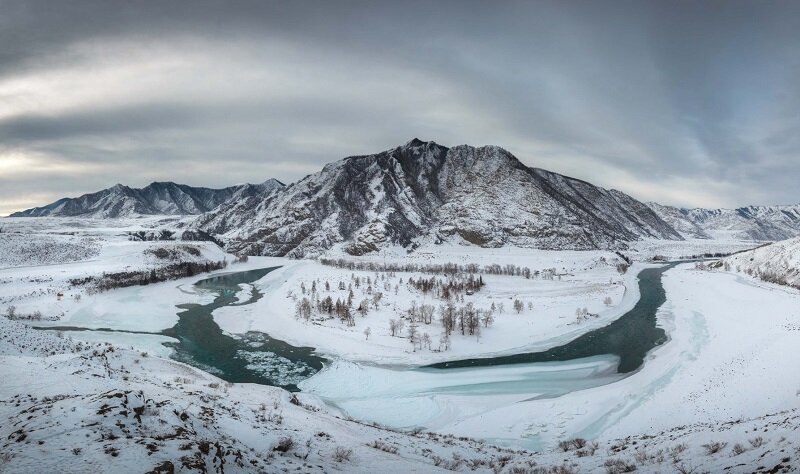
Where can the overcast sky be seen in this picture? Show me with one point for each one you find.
(690, 103)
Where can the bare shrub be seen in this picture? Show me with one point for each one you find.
(578, 443)
(284, 445)
(682, 468)
(341, 454)
(449, 464)
(387, 448)
(589, 450)
(737, 449)
(617, 466)
(714, 448)
(641, 456)
(757, 442)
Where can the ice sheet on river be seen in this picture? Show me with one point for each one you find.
(435, 399)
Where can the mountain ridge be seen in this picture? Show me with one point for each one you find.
(425, 192)
(760, 223)
(158, 197)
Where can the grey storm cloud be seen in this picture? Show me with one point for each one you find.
(687, 103)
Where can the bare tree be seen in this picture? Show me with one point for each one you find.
(363, 307)
(487, 319)
(413, 336)
(426, 340)
(376, 299)
(395, 326)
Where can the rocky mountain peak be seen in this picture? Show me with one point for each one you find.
(423, 191)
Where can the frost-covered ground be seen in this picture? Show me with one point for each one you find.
(727, 374)
(583, 280)
(723, 370)
(71, 407)
(41, 258)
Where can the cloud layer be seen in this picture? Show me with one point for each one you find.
(687, 103)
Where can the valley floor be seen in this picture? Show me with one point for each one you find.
(722, 395)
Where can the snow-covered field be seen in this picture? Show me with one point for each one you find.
(583, 280)
(44, 263)
(73, 403)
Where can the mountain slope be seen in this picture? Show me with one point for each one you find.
(775, 263)
(157, 198)
(744, 223)
(423, 191)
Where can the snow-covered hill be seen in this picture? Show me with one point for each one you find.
(159, 198)
(775, 263)
(744, 223)
(425, 192)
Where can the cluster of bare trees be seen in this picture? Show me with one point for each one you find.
(174, 252)
(343, 308)
(449, 288)
(770, 276)
(466, 319)
(110, 281)
(767, 275)
(13, 314)
(145, 236)
(441, 268)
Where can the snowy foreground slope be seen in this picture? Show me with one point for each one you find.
(74, 407)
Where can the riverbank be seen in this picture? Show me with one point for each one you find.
(725, 363)
(441, 395)
(581, 280)
(57, 392)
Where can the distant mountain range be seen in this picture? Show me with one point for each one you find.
(160, 198)
(423, 192)
(744, 223)
(776, 263)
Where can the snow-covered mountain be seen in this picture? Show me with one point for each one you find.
(775, 263)
(422, 191)
(744, 223)
(157, 198)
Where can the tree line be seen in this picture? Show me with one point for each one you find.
(441, 268)
(111, 280)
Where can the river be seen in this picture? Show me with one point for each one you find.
(598, 357)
